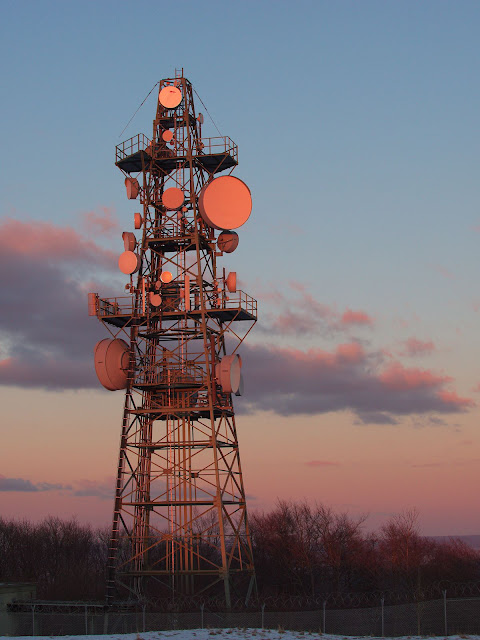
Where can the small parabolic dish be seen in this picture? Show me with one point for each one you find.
(228, 372)
(129, 241)
(170, 97)
(137, 220)
(231, 281)
(111, 363)
(129, 262)
(167, 135)
(133, 188)
(166, 277)
(173, 198)
(227, 241)
(225, 203)
(155, 299)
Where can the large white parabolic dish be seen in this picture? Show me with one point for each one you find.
(229, 373)
(112, 359)
(225, 203)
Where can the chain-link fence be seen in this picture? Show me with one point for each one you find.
(445, 616)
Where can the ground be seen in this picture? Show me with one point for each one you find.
(232, 634)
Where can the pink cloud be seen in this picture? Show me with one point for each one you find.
(50, 338)
(304, 315)
(292, 381)
(351, 353)
(350, 317)
(400, 378)
(49, 243)
(415, 347)
(290, 323)
(297, 286)
(450, 397)
(44, 323)
(101, 221)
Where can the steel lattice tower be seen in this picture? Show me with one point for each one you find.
(180, 521)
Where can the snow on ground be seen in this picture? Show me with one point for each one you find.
(232, 634)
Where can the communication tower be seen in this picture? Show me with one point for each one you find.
(180, 519)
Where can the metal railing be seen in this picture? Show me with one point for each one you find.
(127, 148)
(153, 370)
(125, 305)
(219, 144)
(207, 146)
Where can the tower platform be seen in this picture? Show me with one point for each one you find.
(120, 311)
(217, 154)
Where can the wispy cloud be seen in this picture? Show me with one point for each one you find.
(359, 318)
(101, 221)
(292, 381)
(414, 347)
(47, 335)
(298, 313)
(24, 485)
(104, 489)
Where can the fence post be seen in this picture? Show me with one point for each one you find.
(202, 606)
(263, 616)
(143, 617)
(105, 621)
(445, 610)
(86, 620)
(33, 620)
(383, 616)
(324, 609)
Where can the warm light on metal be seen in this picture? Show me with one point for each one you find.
(170, 97)
(111, 363)
(225, 203)
(227, 241)
(129, 262)
(173, 198)
(180, 524)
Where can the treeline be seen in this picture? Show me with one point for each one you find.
(64, 558)
(311, 550)
(299, 549)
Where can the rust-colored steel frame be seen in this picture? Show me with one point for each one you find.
(180, 521)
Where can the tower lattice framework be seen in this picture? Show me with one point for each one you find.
(180, 520)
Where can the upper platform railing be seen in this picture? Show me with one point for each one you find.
(127, 148)
(174, 304)
(207, 146)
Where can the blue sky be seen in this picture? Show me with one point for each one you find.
(357, 126)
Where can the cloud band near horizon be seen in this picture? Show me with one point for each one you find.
(48, 340)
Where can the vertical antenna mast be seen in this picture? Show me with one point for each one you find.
(180, 522)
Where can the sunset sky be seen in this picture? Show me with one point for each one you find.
(358, 133)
